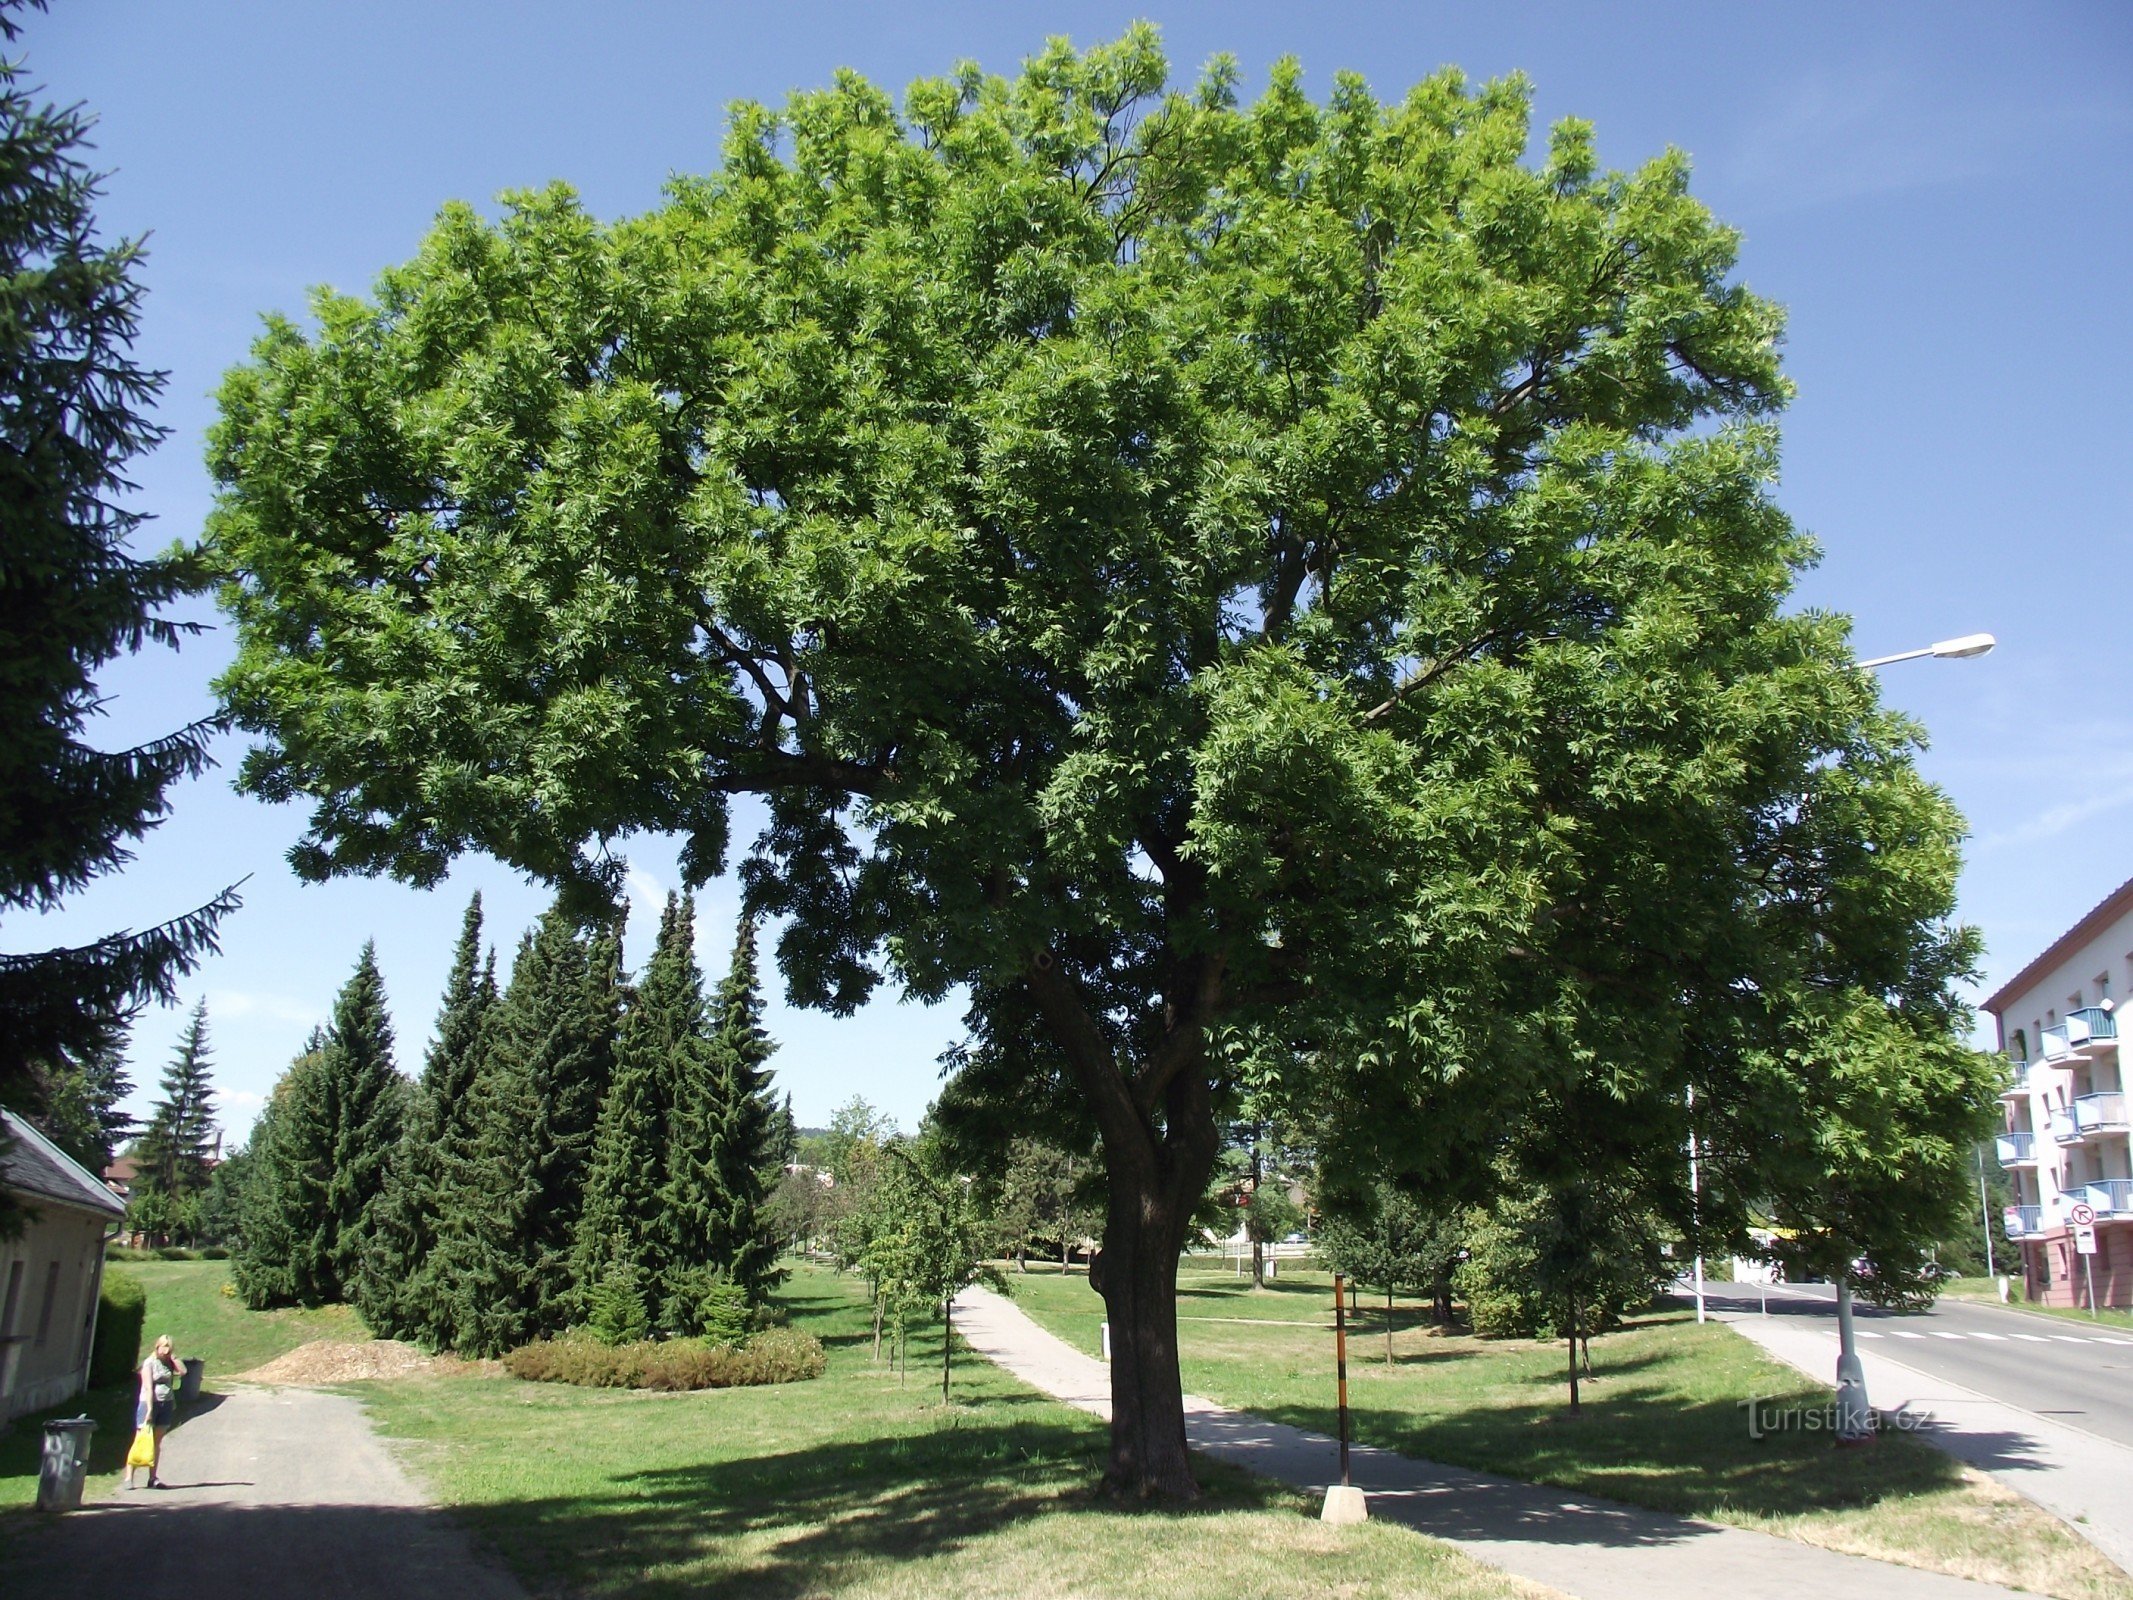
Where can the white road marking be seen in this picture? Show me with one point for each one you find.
(1902, 1333)
(1943, 1333)
(2069, 1338)
(1988, 1336)
(2033, 1338)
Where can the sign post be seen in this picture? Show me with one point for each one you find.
(2083, 1217)
(1344, 1502)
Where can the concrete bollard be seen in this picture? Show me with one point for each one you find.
(1345, 1505)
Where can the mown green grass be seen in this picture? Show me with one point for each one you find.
(862, 1483)
(185, 1300)
(1662, 1424)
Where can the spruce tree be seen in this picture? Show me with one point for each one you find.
(76, 1099)
(507, 1256)
(365, 1100)
(397, 1291)
(173, 1156)
(284, 1255)
(725, 1126)
(73, 595)
(660, 1040)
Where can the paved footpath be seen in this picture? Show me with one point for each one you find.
(276, 1494)
(2082, 1476)
(1593, 1549)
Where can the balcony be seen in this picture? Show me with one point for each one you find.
(2110, 1197)
(2055, 1047)
(2017, 1149)
(2099, 1113)
(2064, 1128)
(2091, 1030)
(2023, 1222)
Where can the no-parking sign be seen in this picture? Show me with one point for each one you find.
(2081, 1214)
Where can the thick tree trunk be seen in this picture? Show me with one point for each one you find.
(1258, 1265)
(1137, 1274)
(1388, 1324)
(947, 1344)
(1157, 1126)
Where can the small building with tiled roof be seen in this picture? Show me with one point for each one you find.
(51, 1271)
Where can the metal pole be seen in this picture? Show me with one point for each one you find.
(1854, 1415)
(1984, 1211)
(1340, 1363)
(1694, 1221)
(2088, 1265)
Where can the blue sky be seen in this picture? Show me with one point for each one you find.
(1937, 193)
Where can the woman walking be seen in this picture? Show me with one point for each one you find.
(158, 1407)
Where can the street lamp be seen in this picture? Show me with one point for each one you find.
(1970, 644)
(1854, 1413)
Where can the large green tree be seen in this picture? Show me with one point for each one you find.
(75, 593)
(284, 1254)
(1281, 600)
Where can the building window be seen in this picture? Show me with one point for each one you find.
(51, 1298)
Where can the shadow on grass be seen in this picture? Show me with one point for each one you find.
(1697, 1458)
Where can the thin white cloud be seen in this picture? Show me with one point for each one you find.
(229, 1004)
(2055, 820)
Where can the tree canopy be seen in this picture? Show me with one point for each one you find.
(1279, 599)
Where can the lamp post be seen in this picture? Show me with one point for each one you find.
(1854, 1414)
(1970, 644)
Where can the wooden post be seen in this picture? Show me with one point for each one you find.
(1340, 1363)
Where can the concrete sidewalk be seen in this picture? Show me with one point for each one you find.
(2082, 1477)
(1590, 1548)
(275, 1494)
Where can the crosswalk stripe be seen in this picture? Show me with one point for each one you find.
(2114, 1341)
(1868, 1333)
(2033, 1338)
(1905, 1333)
(1988, 1335)
(2069, 1338)
(1943, 1333)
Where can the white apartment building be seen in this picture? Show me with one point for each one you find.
(2065, 1142)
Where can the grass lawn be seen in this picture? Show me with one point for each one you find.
(858, 1484)
(1986, 1291)
(1663, 1423)
(185, 1300)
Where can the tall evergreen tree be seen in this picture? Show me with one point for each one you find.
(365, 1102)
(507, 1247)
(719, 1176)
(77, 1099)
(284, 1254)
(72, 595)
(661, 1043)
(174, 1155)
(397, 1289)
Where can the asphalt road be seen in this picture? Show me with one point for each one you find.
(2052, 1366)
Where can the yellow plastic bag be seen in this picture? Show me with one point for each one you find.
(143, 1453)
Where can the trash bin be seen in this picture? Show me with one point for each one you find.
(189, 1385)
(65, 1464)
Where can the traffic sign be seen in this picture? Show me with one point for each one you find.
(2085, 1240)
(2082, 1215)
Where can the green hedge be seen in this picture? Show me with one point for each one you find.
(120, 1314)
(779, 1355)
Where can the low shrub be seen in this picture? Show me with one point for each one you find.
(778, 1355)
(120, 1311)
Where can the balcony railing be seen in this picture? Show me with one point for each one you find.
(2090, 1026)
(2023, 1221)
(2100, 1113)
(2064, 1128)
(2111, 1197)
(2017, 1149)
(2054, 1043)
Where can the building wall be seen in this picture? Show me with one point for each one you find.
(2096, 972)
(49, 1280)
